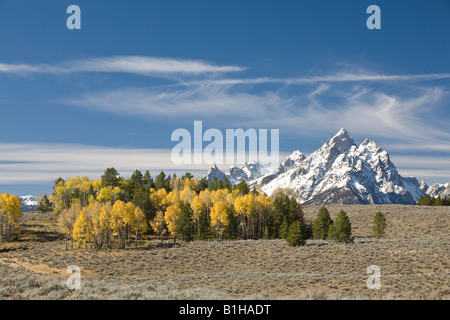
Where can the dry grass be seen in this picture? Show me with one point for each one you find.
(413, 257)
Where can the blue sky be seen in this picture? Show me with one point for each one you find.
(74, 102)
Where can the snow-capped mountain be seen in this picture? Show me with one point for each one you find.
(29, 203)
(248, 171)
(438, 190)
(342, 172)
(214, 172)
(338, 172)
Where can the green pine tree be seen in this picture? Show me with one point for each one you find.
(379, 225)
(110, 178)
(242, 187)
(202, 185)
(284, 208)
(341, 229)
(420, 201)
(214, 184)
(44, 204)
(284, 229)
(204, 226)
(184, 226)
(232, 229)
(296, 235)
(148, 180)
(322, 224)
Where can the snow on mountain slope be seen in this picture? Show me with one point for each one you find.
(342, 172)
(247, 171)
(29, 203)
(214, 172)
(439, 190)
(338, 172)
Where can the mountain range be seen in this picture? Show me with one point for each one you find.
(339, 172)
(29, 203)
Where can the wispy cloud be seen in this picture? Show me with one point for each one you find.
(42, 163)
(324, 107)
(338, 77)
(30, 163)
(150, 66)
(145, 65)
(206, 102)
(434, 169)
(399, 111)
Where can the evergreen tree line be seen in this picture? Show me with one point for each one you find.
(340, 230)
(432, 201)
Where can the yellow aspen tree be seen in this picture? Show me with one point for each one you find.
(232, 196)
(158, 198)
(140, 223)
(263, 208)
(108, 194)
(219, 217)
(245, 208)
(117, 222)
(80, 185)
(159, 224)
(198, 207)
(129, 220)
(10, 215)
(82, 233)
(219, 195)
(61, 197)
(206, 197)
(172, 198)
(96, 185)
(188, 193)
(171, 215)
(66, 222)
(14, 213)
(3, 215)
(92, 213)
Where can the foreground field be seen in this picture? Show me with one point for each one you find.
(413, 258)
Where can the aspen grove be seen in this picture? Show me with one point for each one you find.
(114, 212)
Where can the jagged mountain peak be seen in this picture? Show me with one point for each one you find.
(248, 171)
(342, 172)
(342, 133)
(342, 137)
(423, 185)
(296, 156)
(29, 203)
(339, 172)
(371, 146)
(339, 144)
(214, 172)
(438, 190)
